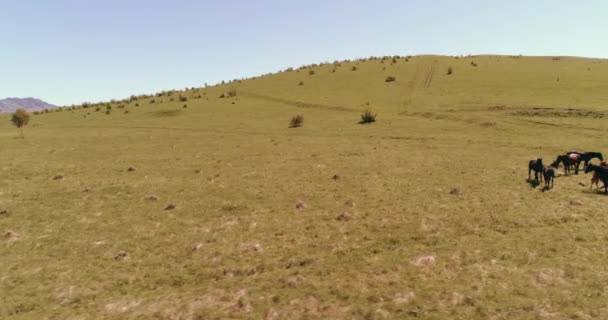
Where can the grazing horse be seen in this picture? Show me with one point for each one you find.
(570, 161)
(537, 167)
(602, 174)
(549, 174)
(587, 156)
(595, 180)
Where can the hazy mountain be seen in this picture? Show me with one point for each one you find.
(29, 104)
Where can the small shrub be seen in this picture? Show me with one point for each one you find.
(185, 106)
(183, 99)
(311, 72)
(301, 83)
(108, 112)
(232, 93)
(97, 109)
(20, 119)
(390, 79)
(368, 116)
(222, 96)
(354, 68)
(152, 101)
(450, 71)
(473, 64)
(126, 111)
(296, 121)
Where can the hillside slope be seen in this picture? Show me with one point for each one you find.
(185, 205)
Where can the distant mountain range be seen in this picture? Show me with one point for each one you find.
(29, 104)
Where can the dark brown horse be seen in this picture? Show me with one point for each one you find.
(571, 161)
(549, 174)
(595, 180)
(537, 167)
(601, 172)
(587, 156)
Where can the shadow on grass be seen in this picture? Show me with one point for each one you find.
(533, 182)
(598, 192)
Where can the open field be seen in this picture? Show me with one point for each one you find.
(425, 214)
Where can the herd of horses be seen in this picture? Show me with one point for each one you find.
(571, 162)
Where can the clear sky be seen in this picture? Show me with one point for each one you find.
(70, 51)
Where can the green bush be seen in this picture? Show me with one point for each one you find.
(296, 121)
(20, 119)
(368, 116)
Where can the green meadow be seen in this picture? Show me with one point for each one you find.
(186, 205)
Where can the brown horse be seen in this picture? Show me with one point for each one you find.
(571, 161)
(602, 174)
(537, 167)
(595, 180)
(549, 174)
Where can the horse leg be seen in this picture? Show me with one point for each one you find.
(529, 171)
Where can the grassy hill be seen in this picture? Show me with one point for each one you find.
(227, 213)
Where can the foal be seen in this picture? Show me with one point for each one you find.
(549, 174)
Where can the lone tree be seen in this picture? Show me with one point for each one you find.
(20, 119)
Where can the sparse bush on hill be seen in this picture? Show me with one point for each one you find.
(450, 71)
(232, 93)
(390, 79)
(185, 106)
(222, 96)
(354, 68)
(108, 107)
(311, 72)
(152, 101)
(368, 116)
(473, 64)
(20, 119)
(183, 99)
(296, 121)
(86, 105)
(97, 109)
(108, 112)
(301, 83)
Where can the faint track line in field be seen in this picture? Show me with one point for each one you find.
(297, 104)
(429, 77)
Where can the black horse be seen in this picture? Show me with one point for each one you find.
(549, 174)
(537, 167)
(587, 156)
(602, 174)
(570, 162)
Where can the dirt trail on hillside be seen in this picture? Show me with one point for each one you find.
(297, 104)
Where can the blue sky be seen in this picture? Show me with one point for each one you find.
(68, 52)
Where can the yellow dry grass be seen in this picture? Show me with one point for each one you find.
(425, 214)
